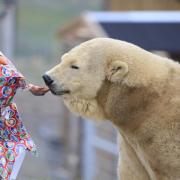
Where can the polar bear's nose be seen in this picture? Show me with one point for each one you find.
(47, 79)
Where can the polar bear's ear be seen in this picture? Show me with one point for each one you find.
(116, 71)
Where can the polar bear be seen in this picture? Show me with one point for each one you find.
(139, 92)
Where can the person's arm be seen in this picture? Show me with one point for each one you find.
(36, 90)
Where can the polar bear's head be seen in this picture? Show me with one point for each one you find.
(87, 71)
(81, 74)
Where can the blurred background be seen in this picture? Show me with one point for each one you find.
(34, 34)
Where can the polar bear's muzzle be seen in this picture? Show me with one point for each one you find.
(47, 79)
(56, 90)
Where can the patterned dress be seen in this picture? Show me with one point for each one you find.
(14, 138)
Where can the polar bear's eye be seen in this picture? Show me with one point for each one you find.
(74, 67)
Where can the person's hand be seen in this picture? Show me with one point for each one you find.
(37, 90)
(3, 60)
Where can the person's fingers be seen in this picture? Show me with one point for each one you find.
(37, 90)
(38, 93)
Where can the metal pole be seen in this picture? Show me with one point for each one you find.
(8, 28)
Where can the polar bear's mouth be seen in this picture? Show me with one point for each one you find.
(58, 91)
(53, 87)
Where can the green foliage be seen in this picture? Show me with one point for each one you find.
(39, 20)
(2, 8)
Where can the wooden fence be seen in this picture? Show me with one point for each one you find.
(123, 5)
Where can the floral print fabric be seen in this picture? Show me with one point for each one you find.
(14, 137)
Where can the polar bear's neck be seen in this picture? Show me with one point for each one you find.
(86, 107)
(122, 103)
